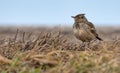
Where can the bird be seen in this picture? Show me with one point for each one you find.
(83, 29)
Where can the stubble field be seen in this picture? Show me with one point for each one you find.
(56, 50)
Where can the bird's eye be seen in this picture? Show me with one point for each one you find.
(81, 17)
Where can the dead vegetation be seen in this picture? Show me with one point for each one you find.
(54, 51)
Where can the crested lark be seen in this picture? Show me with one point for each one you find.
(83, 29)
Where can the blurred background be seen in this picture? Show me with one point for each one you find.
(58, 12)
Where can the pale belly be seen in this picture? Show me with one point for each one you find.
(83, 35)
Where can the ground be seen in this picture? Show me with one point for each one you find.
(56, 50)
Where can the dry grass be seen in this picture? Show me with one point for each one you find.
(56, 50)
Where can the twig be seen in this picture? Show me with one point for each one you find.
(23, 39)
(16, 35)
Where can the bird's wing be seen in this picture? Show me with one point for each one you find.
(90, 25)
(92, 28)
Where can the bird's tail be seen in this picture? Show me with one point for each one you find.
(99, 38)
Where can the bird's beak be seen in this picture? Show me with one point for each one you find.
(72, 16)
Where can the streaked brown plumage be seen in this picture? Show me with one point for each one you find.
(83, 29)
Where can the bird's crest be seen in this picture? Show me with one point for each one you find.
(78, 15)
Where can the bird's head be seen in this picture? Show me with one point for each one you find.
(79, 18)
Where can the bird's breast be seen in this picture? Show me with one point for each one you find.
(83, 35)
